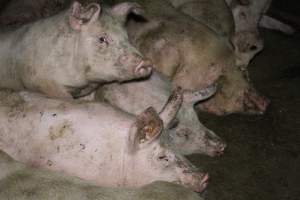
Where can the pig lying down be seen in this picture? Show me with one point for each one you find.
(94, 141)
(218, 16)
(69, 54)
(193, 57)
(19, 182)
(186, 134)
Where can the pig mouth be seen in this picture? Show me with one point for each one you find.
(217, 151)
(255, 103)
(143, 69)
(202, 185)
(197, 181)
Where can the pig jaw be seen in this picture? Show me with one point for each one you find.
(255, 103)
(206, 142)
(247, 102)
(158, 163)
(191, 177)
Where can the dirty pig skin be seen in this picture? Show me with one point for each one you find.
(95, 141)
(187, 134)
(69, 54)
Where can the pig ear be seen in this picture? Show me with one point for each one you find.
(169, 111)
(80, 16)
(147, 128)
(192, 97)
(122, 10)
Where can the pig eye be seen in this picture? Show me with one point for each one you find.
(102, 39)
(164, 157)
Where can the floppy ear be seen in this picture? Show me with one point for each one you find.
(80, 16)
(147, 127)
(122, 10)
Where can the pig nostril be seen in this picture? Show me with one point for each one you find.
(143, 69)
(253, 48)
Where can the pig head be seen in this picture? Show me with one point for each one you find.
(236, 94)
(185, 134)
(248, 16)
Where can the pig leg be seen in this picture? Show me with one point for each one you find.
(85, 91)
(271, 23)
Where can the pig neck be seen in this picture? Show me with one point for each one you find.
(188, 116)
(8, 166)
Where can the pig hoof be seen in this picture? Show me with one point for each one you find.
(143, 69)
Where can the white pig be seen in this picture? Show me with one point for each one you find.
(69, 54)
(94, 141)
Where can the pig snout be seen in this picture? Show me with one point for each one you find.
(218, 148)
(144, 68)
(197, 181)
(255, 102)
(138, 66)
(191, 177)
(215, 146)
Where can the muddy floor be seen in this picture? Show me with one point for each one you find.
(262, 160)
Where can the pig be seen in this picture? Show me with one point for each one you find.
(89, 46)
(94, 141)
(193, 57)
(218, 16)
(171, 40)
(186, 135)
(248, 16)
(254, 12)
(20, 182)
